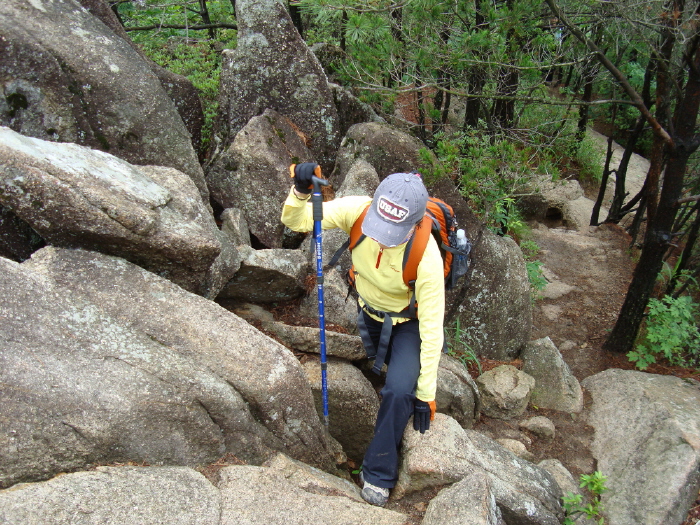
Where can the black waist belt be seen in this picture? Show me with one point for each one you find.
(377, 352)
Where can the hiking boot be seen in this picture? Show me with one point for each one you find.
(372, 494)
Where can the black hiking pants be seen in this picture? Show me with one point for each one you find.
(380, 465)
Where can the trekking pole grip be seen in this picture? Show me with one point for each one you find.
(317, 198)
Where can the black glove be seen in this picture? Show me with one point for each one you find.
(303, 174)
(423, 414)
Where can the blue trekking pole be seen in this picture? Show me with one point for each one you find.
(317, 205)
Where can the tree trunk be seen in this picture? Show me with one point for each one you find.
(659, 228)
(504, 108)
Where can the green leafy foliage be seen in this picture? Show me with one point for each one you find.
(671, 331)
(186, 52)
(574, 505)
(535, 276)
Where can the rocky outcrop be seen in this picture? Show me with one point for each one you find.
(149, 495)
(178, 87)
(386, 148)
(647, 443)
(253, 173)
(448, 453)
(74, 196)
(168, 324)
(555, 386)
(272, 68)
(65, 76)
(496, 312)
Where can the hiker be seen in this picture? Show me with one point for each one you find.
(414, 347)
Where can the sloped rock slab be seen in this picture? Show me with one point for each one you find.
(261, 496)
(77, 197)
(647, 442)
(266, 374)
(143, 495)
(74, 80)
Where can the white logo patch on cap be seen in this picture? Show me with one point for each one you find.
(390, 211)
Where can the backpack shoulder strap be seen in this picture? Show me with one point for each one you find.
(353, 240)
(356, 234)
(415, 249)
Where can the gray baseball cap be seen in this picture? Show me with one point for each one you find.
(398, 204)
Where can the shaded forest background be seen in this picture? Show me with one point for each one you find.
(503, 91)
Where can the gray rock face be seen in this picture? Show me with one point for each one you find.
(647, 442)
(178, 87)
(253, 174)
(80, 387)
(78, 197)
(65, 76)
(496, 313)
(339, 308)
(447, 453)
(267, 375)
(505, 391)
(470, 500)
(545, 199)
(147, 495)
(386, 148)
(351, 110)
(272, 68)
(352, 404)
(555, 386)
(457, 394)
(260, 496)
(267, 276)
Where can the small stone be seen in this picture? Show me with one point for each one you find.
(540, 426)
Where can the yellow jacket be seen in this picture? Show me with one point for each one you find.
(379, 278)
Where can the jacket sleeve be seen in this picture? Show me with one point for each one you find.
(430, 296)
(297, 214)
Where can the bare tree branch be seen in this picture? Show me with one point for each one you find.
(615, 72)
(175, 26)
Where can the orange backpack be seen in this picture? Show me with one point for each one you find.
(440, 221)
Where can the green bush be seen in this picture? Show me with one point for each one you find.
(573, 503)
(670, 331)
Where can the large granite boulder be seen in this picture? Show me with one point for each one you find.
(187, 329)
(81, 387)
(65, 76)
(647, 443)
(147, 495)
(272, 68)
(178, 87)
(253, 173)
(495, 314)
(387, 149)
(447, 453)
(74, 196)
